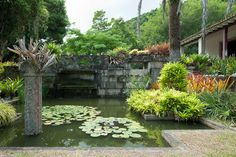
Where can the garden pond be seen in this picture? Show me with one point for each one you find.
(111, 124)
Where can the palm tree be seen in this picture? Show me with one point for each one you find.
(138, 31)
(174, 27)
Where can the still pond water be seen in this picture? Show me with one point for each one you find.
(70, 135)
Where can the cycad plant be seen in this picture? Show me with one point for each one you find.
(36, 58)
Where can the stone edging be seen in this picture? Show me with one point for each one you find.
(150, 117)
(215, 125)
(174, 143)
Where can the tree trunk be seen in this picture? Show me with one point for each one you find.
(138, 30)
(174, 30)
(33, 100)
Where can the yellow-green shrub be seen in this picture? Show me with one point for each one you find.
(174, 76)
(7, 114)
(184, 105)
(144, 101)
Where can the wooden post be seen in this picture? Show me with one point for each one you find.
(225, 43)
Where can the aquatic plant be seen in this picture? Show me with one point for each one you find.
(64, 114)
(116, 127)
(7, 114)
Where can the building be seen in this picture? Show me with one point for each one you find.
(220, 39)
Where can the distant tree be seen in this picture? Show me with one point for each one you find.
(120, 28)
(57, 22)
(100, 22)
(93, 42)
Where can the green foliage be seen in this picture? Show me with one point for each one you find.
(225, 66)
(5, 64)
(93, 42)
(144, 101)
(7, 114)
(31, 18)
(221, 105)
(155, 28)
(201, 62)
(117, 51)
(54, 48)
(174, 75)
(184, 105)
(100, 22)
(57, 21)
(16, 22)
(9, 87)
(136, 83)
(21, 94)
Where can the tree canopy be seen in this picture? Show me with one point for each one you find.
(31, 19)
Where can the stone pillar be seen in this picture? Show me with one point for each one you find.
(33, 100)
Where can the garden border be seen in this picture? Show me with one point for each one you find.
(175, 145)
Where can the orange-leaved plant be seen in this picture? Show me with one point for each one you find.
(161, 49)
(199, 83)
(155, 85)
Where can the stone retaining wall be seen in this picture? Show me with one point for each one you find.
(107, 75)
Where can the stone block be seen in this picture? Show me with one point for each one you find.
(155, 65)
(139, 72)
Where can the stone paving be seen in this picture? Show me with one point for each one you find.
(185, 143)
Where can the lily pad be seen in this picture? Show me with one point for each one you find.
(65, 114)
(117, 127)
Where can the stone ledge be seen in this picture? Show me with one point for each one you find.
(215, 125)
(150, 117)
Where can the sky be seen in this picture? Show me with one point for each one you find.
(80, 12)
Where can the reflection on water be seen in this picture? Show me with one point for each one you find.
(70, 135)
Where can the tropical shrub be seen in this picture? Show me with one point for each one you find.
(174, 75)
(201, 62)
(144, 101)
(199, 83)
(54, 49)
(9, 87)
(184, 105)
(118, 51)
(221, 105)
(7, 114)
(5, 64)
(225, 66)
(160, 49)
(136, 83)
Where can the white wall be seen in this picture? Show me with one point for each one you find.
(213, 40)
